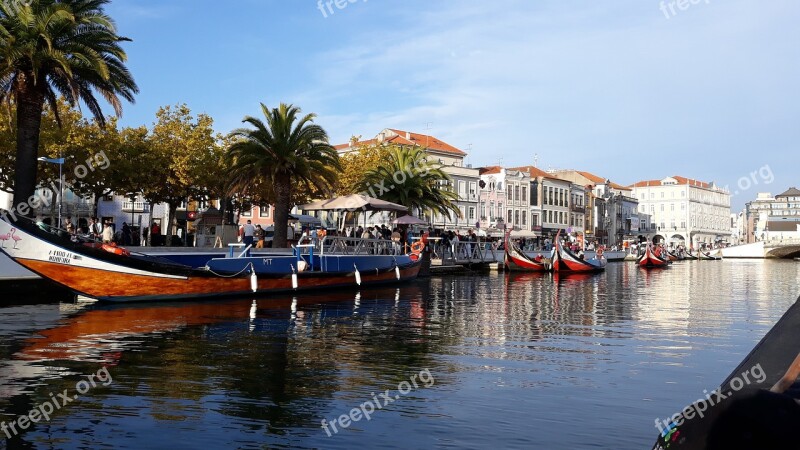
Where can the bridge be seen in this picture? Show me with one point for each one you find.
(776, 248)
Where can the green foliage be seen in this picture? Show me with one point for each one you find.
(407, 177)
(356, 163)
(279, 156)
(52, 48)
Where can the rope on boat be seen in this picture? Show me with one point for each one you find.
(230, 276)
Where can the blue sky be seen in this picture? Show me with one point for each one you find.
(613, 87)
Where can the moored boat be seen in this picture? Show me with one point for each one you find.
(113, 274)
(754, 407)
(517, 261)
(566, 261)
(650, 259)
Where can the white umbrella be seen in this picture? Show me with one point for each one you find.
(409, 220)
(351, 203)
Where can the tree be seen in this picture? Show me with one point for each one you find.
(50, 47)
(178, 150)
(407, 178)
(286, 152)
(356, 163)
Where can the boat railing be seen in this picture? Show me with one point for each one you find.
(342, 245)
(468, 252)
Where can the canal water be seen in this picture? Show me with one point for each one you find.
(479, 361)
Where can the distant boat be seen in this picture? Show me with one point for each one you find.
(110, 273)
(565, 261)
(517, 261)
(650, 259)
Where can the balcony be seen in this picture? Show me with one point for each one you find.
(578, 209)
(140, 207)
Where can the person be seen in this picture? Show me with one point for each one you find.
(396, 237)
(155, 234)
(108, 233)
(126, 234)
(144, 235)
(259, 236)
(248, 230)
(367, 234)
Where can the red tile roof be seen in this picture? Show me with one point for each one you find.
(357, 144)
(600, 180)
(490, 170)
(535, 172)
(424, 141)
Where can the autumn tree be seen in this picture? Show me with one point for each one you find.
(355, 163)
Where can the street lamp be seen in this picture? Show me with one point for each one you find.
(60, 162)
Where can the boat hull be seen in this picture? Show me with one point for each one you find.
(105, 276)
(566, 261)
(517, 261)
(650, 260)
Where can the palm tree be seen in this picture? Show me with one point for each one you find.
(284, 154)
(57, 47)
(407, 178)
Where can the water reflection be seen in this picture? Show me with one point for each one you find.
(518, 359)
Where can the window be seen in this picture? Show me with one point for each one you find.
(264, 211)
(516, 216)
(247, 213)
(462, 188)
(510, 216)
(662, 195)
(524, 194)
(534, 220)
(473, 188)
(672, 206)
(510, 193)
(662, 207)
(499, 210)
(472, 213)
(491, 209)
(483, 210)
(683, 206)
(516, 192)
(524, 219)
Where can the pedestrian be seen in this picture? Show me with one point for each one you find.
(155, 234)
(259, 236)
(126, 234)
(108, 233)
(248, 231)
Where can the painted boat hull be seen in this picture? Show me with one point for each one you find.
(650, 260)
(566, 261)
(517, 261)
(105, 276)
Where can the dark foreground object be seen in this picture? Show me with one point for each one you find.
(745, 415)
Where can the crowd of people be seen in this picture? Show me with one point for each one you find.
(95, 230)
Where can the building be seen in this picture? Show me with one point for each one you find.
(505, 200)
(773, 218)
(550, 202)
(464, 178)
(684, 211)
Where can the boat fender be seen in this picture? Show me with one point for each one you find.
(294, 278)
(358, 275)
(397, 272)
(112, 248)
(253, 278)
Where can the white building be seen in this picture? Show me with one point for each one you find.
(773, 218)
(5, 200)
(684, 211)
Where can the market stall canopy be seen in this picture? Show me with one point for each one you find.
(351, 203)
(409, 220)
(305, 219)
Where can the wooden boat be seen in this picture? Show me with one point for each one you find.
(733, 419)
(566, 261)
(650, 259)
(114, 274)
(517, 261)
(706, 256)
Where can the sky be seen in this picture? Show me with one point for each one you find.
(628, 89)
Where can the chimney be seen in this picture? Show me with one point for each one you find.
(408, 135)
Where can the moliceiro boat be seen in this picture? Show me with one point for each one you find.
(517, 261)
(111, 273)
(652, 259)
(566, 261)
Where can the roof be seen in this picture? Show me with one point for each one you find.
(535, 172)
(792, 192)
(490, 170)
(357, 144)
(600, 180)
(423, 140)
(679, 179)
(782, 225)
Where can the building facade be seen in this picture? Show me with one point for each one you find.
(684, 211)
(773, 218)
